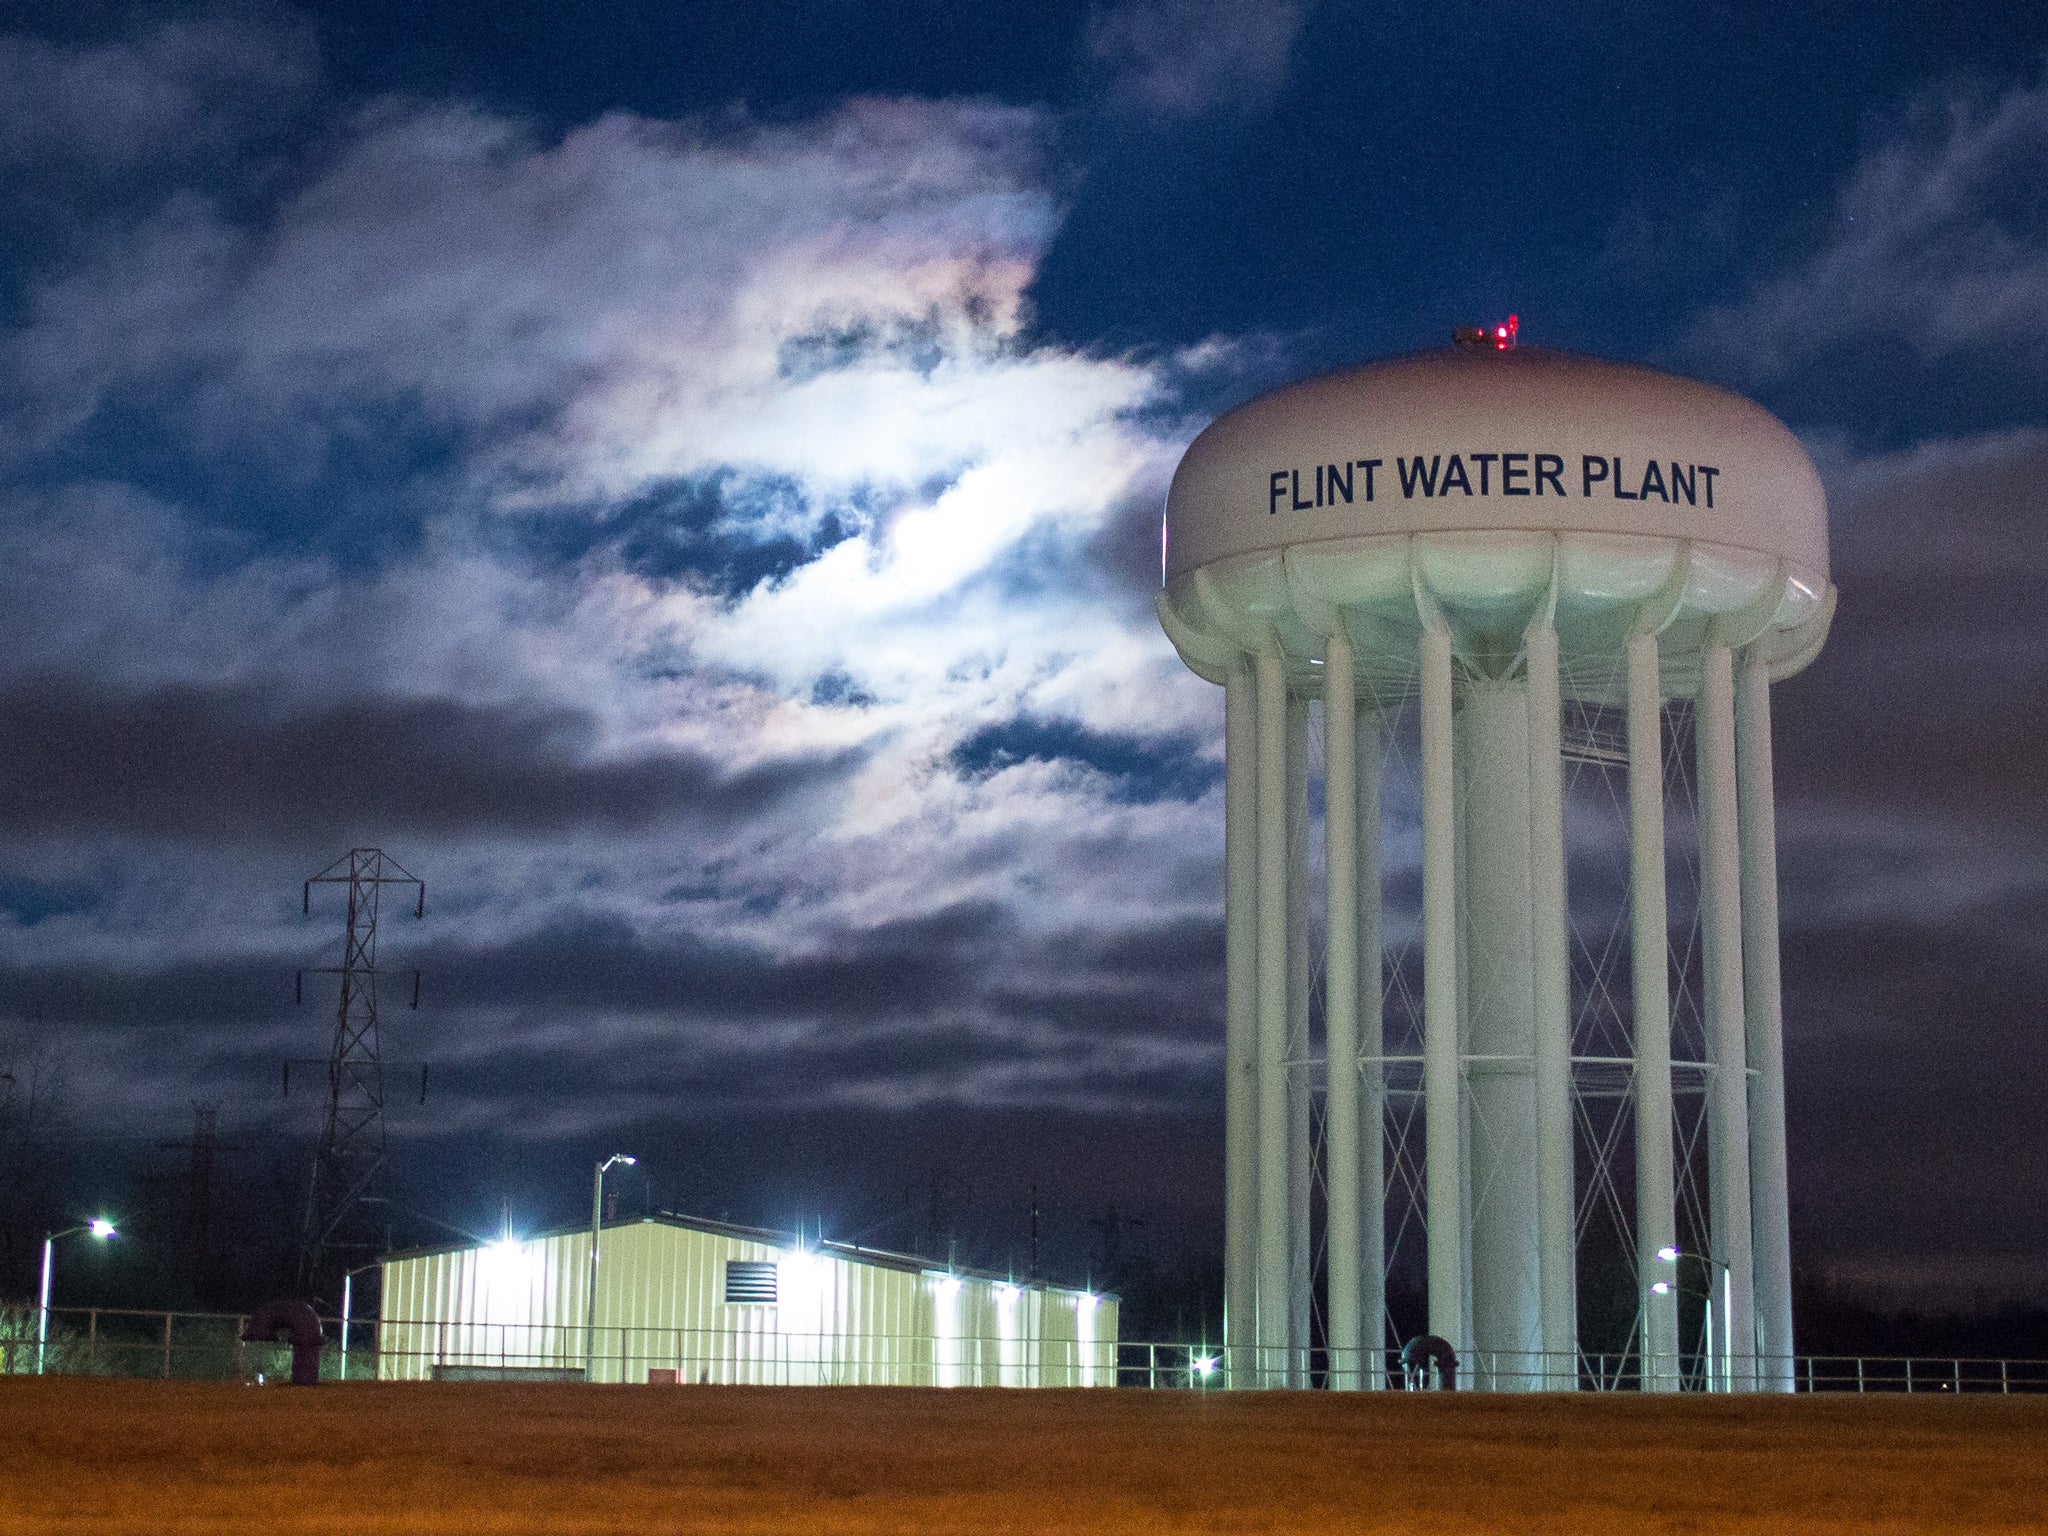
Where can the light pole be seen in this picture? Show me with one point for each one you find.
(348, 1284)
(596, 1224)
(100, 1228)
(1665, 1287)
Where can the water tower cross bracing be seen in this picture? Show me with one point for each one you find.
(1508, 564)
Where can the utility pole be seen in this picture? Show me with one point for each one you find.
(1032, 1272)
(352, 1145)
(197, 1225)
(1112, 1227)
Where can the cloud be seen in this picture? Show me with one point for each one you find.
(172, 95)
(1938, 242)
(638, 299)
(1913, 860)
(227, 764)
(1913, 1065)
(1934, 660)
(557, 1028)
(1189, 58)
(745, 647)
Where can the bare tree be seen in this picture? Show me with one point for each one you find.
(33, 1094)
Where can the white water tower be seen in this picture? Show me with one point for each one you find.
(1492, 542)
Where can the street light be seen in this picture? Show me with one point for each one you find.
(1672, 1255)
(100, 1228)
(596, 1223)
(348, 1284)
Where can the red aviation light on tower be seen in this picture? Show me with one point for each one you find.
(1500, 337)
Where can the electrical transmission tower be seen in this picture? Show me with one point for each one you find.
(196, 1227)
(338, 1227)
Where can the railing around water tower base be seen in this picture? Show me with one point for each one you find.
(1283, 1368)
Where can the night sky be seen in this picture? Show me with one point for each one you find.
(684, 479)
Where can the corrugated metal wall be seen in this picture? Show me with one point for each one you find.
(661, 1307)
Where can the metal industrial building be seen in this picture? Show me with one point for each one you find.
(684, 1300)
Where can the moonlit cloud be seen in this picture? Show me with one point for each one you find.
(754, 503)
(1939, 240)
(1187, 58)
(166, 96)
(1914, 866)
(1932, 664)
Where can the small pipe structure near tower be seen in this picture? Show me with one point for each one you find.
(1499, 541)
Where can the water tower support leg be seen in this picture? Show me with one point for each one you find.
(1240, 1011)
(1656, 1218)
(1340, 980)
(1550, 941)
(1721, 957)
(1501, 1148)
(1372, 1098)
(1443, 1151)
(1271, 1327)
(1763, 1007)
(1301, 1171)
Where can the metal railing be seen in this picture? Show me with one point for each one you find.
(210, 1346)
(752, 1351)
(1503, 1371)
(197, 1346)
(115, 1341)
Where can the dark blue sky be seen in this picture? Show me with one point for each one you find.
(685, 479)
(1410, 162)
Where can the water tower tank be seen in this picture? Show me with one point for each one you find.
(1491, 536)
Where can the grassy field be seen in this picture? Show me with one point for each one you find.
(115, 1456)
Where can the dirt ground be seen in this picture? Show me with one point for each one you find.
(115, 1456)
